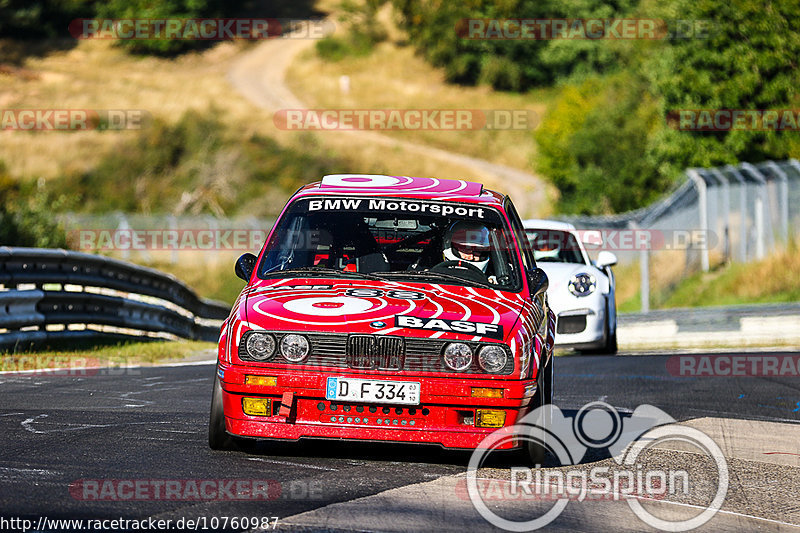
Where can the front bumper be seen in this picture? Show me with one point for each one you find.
(589, 322)
(445, 416)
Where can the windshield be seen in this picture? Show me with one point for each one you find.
(555, 246)
(398, 239)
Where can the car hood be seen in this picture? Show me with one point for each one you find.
(559, 275)
(364, 306)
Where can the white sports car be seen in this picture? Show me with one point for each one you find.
(581, 291)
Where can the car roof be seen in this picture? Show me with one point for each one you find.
(534, 223)
(403, 186)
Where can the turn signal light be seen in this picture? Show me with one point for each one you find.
(255, 406)
(489, 418)
(269, 381)
(485, 392)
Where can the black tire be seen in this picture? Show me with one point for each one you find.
(534, 450)
(610, 347)
(218, 438)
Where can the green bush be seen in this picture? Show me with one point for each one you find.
(27, 214)
(438, 31)
(164, 9)
(595, 143)
(363, 32)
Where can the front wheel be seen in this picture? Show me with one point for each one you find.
(535, 448)
(610, 347)
(218, 438)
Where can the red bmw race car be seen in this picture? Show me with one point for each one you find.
(386, 308)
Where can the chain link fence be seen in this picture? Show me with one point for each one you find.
(160, 239)
(723, 214)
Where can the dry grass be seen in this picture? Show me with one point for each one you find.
(393, 77)
(97, 75)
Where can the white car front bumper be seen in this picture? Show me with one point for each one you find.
(580, 322)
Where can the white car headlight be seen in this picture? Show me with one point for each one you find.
(457, 356)
(582, 284)
(492, 358)
(294, 347)
(260, 346)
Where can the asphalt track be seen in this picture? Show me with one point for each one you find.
(150, 424)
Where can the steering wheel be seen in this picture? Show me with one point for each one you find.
(461, 269)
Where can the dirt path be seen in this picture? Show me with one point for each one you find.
(260, 75)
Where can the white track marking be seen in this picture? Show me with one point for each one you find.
(290, 463)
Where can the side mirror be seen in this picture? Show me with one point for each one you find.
(537, 282)
(245, 265)
(606, 259)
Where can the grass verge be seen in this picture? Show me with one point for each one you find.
(771, 280)
(118, 354)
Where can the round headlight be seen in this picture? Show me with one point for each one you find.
(582, 284)
(492, 358)
(260, 346)
(457, 356)
(294, 347)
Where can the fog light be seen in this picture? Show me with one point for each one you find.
(485, 392)
(255, 406)
(489, 418)
(268, 381)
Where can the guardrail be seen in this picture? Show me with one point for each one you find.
(58, 294)
(730, 326)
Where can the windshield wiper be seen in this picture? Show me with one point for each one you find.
(314, 271)
(427, 274)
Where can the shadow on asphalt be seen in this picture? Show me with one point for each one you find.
(397, 452)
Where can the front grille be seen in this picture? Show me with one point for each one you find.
(376, 352)
(371, 352)
(571, 324)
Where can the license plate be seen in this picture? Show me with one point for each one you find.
(373, 391)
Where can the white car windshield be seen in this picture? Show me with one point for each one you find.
(397, 239)
(555, 246)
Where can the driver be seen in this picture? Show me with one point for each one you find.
(547, 247)
(469, 242)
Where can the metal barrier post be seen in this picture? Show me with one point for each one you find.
(726, 212)
(742, 211)
(702, 200)
(644, 270)
(760, 199)
(784, 202)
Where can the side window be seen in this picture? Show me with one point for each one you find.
(522, 238)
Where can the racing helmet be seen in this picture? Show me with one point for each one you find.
(468, 242)
(547, 245)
